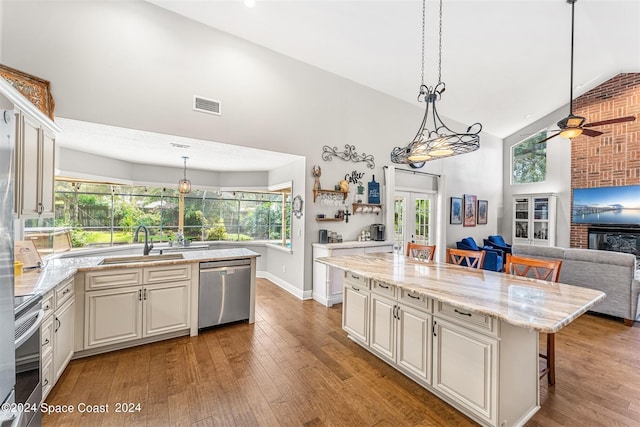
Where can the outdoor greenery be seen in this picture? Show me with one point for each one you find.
(529, 160)
(103, 214)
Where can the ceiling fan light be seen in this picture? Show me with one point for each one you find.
(571, 132)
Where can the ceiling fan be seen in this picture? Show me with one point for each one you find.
(572, 125)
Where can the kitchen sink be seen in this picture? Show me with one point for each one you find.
(130, 259)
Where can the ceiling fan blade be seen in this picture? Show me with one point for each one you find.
(591, 132)
(611, 121)
(547, 138)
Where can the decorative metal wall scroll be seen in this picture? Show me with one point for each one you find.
(349, 154)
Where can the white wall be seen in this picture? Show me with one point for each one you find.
(558, 176)
(131, 64)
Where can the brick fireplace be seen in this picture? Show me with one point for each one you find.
(612, 159)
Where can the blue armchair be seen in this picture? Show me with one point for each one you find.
(493, 258)
(498, 243)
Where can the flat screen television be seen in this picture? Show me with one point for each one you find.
(607, 205)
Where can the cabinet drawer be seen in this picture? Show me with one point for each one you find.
(46, 338)
(47, 376)
(414, 299)
(64, 291)
(383, 288)
(113, 278)
(169, 273)
(466, 317)
(356, 280)
(47, 304)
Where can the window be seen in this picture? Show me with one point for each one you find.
(98, 214)
(529, 160)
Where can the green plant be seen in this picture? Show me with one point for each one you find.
(217, 232)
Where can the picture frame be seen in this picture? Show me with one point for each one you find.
(35, 89)
(483, 211)
(296, 206)
(455, 216)
(470, 211)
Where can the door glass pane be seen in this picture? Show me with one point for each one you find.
(422, 221)
(399, 224)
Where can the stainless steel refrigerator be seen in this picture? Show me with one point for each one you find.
(7, 327)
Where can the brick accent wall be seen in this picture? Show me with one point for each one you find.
(611, 159)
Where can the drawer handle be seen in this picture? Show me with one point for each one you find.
(66, 291)
(383, 286)
(462, 312)
(355, 289)
(355, 277)
(45, 382)
(47, 307)
(411, 296)
(46, 341)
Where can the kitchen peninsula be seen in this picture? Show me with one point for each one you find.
(468, 336)
(95, 304)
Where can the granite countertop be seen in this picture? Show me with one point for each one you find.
(57, 270)
(353, 244)
(534, 304)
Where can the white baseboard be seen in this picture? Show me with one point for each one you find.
(299, 293)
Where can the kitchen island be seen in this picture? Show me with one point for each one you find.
(468, 336)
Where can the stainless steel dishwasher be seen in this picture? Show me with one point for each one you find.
(225, 292)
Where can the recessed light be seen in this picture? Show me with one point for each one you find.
(250, 3)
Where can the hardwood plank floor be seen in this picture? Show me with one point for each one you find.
(295, 366)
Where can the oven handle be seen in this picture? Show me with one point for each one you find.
(32, 329)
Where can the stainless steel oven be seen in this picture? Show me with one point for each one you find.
(28, 389)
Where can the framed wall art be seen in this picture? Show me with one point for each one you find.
(33, 88)
(456, 210)
(470, 203)
(483, 210)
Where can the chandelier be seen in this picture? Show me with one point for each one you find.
(439, 141)
(184, 185)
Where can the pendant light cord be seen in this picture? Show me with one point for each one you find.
(424, 14)
(573, 3)
(440, 47)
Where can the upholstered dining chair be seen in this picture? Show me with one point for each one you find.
(467, 258)
(421, 252)
(543, 269)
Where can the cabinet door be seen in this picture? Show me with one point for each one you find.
(166, 307)
(30, 166)
(63, 337)
(47, 171)
(465, 367)
(355, 312)
(414, 341)
(521, 221)
(383, 326)
(113, 316)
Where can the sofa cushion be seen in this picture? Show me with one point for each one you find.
(601, 257)
(549, 252)
(498, 240)
(471, 243)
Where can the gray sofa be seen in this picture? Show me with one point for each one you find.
(613, 273)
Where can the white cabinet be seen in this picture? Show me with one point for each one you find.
(35, 168)
(401, 334)
(327, 281)
(355, 309)
(63, 337)
(115, 313)
(534, 219)
(465, 367)
(57, 333)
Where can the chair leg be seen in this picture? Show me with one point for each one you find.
(551, 358)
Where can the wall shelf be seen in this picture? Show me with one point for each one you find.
(329, 219)
(366, 208)
(329, 192)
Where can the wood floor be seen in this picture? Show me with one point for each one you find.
(295, 366)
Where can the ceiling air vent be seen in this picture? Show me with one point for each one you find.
(204, 105)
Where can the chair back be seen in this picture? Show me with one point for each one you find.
(421, 252)
(473, 259)
(543, 269)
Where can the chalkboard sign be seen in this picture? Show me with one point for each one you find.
(374, 191)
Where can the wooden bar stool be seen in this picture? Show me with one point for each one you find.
(421, 252)
(542, 269)
(463, 257)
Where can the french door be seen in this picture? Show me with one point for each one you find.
(414, 219)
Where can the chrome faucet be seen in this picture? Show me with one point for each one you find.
(147, 246)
